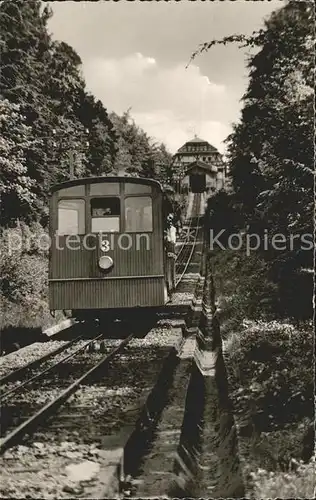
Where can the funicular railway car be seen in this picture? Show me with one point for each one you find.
(107, 257)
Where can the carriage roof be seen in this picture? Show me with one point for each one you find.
(95, 180)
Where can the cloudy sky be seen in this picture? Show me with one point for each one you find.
(134, 55)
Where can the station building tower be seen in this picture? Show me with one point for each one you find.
(199, 167)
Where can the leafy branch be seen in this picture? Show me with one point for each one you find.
(254, 40)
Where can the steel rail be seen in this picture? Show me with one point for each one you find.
(28, 426)
(185, 240)
(184, 253)
(188, 259)
(195, 206)
(190, 256)
(49, 368)
(14, 375)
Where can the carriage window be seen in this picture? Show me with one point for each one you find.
(105, 215)
(137, 188)
(138, 214)
(71, 217)
(72, 191)
(105, 189)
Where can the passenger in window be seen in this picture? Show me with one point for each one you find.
(98, 212)
(105, 214)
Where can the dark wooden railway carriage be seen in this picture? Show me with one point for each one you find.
(107, 252)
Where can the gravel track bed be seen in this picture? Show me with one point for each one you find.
(43, 366)
(63, 459)
(41, 391)
(26, 355)
(179, 298)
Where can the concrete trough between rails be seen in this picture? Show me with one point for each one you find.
(119, 448)
(158, 470)
(206, 463)
(215, 464)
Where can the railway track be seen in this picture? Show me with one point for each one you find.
(54, 362)
(100, 415)
(30, 418)
(189, 244)
(190, 247)
(33, 365)
(191, 228)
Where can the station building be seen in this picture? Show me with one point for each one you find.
(199, 166)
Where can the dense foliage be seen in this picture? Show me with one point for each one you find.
(16, 186)
(50, 123)
(137, 154)
(43, 79)
(272, 389)
(271, 153)
(24, 277)
(274, 377)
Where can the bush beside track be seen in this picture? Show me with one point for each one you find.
(23, 291)
(270, 372)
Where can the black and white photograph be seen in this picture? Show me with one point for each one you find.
(157, 249)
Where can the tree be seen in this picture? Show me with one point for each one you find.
(16, 186)
(137, 153)
(163, 160)
(271, 150)
(134, 149)
(44, 77)
(24, 49)
(102, 147)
